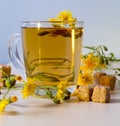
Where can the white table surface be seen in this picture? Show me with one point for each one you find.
(43, 112)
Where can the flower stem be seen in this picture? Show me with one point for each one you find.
(6, 93)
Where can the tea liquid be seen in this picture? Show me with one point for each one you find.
(52, 54)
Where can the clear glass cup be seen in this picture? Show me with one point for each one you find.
(51, 52)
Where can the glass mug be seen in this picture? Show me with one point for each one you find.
(51, 51)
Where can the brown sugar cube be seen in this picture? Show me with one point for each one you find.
(108, 80)
(101, 94)
(97, 77)
(83, 93)
(2, 84)
(4, 69)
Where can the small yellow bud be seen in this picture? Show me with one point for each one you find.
(14, 98)
(18, 78)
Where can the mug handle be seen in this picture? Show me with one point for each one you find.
(15, 53)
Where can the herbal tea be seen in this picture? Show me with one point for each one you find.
(52, 54)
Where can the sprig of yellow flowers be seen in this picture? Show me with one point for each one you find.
(61, 93)
(88, 65)
(9, 82)
(95, 59)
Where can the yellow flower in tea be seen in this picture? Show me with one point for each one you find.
(29, 87)
(63, 19)
(85, 79)
(65, 16)
(3, 104)
(90, 62)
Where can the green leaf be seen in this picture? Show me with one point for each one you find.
(90, 47)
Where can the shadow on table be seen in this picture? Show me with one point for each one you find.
(115, 100)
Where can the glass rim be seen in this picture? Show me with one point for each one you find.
(43, 23)
(46, 21)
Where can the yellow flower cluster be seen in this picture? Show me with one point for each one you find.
(85, 79)
(9, 82)
(88, 65)
(60, 90)
(6, 101)
(29, 87)
(65, 16)
(3, 104)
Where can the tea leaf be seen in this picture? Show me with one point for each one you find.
(43, 33)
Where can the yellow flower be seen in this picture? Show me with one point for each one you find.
(90, 63)
(29, 87)
(66, 16)
(85, 79)
(59, 95)
(62, 85)
(13, 99)
(3, 104)
(60, 91)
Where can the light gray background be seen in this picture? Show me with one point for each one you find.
(101, 19)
